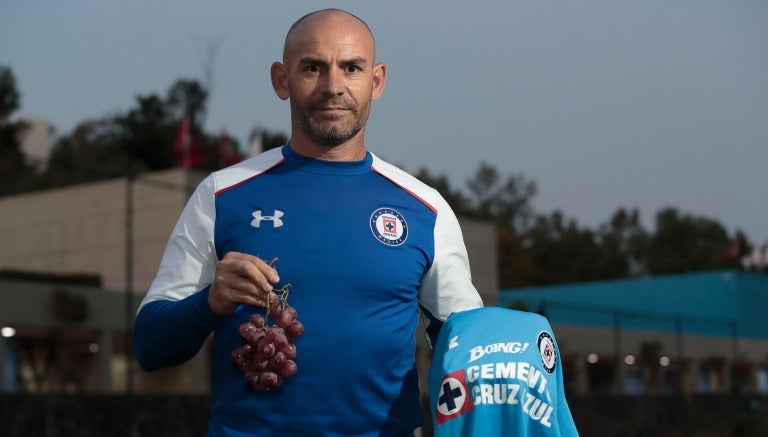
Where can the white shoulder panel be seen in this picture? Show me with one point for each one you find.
(189, 260)
(447, 286)
(426, 194)
(238, 173)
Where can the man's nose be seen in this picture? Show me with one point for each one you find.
(334, 82)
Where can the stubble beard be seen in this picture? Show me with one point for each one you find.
(328, 131)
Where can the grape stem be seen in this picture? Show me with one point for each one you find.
(282, 294)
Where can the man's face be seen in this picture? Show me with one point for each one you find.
(331, 79)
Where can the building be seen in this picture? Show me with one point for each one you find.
(116, 230)
(688, 333)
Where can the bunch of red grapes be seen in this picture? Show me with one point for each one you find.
(269, 355)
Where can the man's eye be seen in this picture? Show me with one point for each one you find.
(313, 68)
(353, 69)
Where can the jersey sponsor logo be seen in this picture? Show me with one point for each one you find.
(515, 396)
(389, 226)
(521, 371)
(513, 384)
(275, 218)
(547, 349)
(453, 399)
(512, 347)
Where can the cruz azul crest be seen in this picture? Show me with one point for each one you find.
(389, 226)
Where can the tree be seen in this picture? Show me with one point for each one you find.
(503, 204)
(186, 97)
(532, 249)
(10, 98)
(92, 151)
(141, 139)
(150, 129)
(455, 199)
(561, 250)
(515, 267)
(14, 169)
(738, 247)
(507, 202)
(685, 243)
(622, 243)
(137, 140)
(268, 140)
(147, 132)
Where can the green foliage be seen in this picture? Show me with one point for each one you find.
(506, 202)
(146, 132)
(456, 199)
(137, 140)
(93, 151)
(269, 140)
(623, 245)
(186, 97)
(684, 243)
(516, 267)
(10, 98)
(543, 249)
(561, 251)
(13, 167)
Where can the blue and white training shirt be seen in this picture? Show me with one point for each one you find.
(497, 372)
(363, 245)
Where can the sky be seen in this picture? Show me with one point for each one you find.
(604, 104)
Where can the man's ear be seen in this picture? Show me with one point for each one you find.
(379, 80)
(279, 75)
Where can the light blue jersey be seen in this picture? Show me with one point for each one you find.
(497, 372)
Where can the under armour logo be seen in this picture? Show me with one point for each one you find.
(453, 342)
(275, 218)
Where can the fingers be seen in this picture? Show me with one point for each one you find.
(241, 279)
(253, 269)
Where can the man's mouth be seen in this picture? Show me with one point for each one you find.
(332, 111)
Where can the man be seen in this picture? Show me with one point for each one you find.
(362, 244)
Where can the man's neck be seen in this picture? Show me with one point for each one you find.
(352, 150)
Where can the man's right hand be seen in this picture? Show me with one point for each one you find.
(241, 278)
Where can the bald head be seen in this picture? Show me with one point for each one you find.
(330, 75)
(314, 21)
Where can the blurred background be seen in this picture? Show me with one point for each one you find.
(604, 159)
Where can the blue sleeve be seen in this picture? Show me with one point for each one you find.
(168, 333)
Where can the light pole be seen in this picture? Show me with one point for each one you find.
(129, 297)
